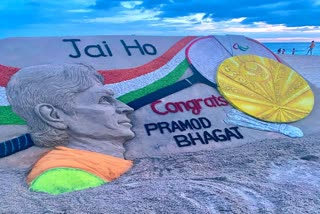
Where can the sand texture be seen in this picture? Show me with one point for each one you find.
(270, 176)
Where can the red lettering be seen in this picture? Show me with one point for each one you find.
(175, 110)
(209, 102)
(198, 102)
(180, 104)
(223, 101)
(153, 107)
(215, 100)
(194, 105)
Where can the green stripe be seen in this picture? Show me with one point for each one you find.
(169, 79)
(7, 117)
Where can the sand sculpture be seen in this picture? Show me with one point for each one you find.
(71, 108)
(68, 108)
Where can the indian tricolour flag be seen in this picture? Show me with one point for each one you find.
(6, 115)
(128, 84)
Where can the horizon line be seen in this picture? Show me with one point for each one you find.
(288, 39)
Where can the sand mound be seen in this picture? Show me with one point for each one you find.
(271, 176)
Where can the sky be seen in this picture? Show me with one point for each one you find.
(266, 21)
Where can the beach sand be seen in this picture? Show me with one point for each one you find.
(307, 66)
(269, 176)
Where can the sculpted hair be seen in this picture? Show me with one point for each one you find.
(52, 84)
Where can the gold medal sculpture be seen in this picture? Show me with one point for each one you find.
(264, 88)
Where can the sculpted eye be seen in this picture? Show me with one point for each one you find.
(105, 100)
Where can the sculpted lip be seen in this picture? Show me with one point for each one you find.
(125, 122)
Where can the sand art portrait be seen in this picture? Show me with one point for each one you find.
(67, 108)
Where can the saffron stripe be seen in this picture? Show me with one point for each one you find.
(6, 73)
(169, 79)
(8, 117)
(127, 86)
(114, 76)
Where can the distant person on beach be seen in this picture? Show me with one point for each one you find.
(279, 51)
(311, 48)
(293, 51)
(72, 113)
(283, 51)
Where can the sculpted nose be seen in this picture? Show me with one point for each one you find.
(123, 108)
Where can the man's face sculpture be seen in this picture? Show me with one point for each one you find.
(98, 115)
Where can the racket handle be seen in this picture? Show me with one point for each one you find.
(198, 78)
(15, 145)
(163, 92)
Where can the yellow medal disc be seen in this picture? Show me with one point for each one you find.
(264, 88)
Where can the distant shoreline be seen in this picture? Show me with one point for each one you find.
(301, 48)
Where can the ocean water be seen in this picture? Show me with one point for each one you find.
(301, 47)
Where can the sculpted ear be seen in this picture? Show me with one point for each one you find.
(50, 115)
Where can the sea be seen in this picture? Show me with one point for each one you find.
(301, 47)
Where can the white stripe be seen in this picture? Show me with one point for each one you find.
(127, 86)
(3, 97)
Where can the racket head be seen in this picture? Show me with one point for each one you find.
(205, 54)
(264, 88)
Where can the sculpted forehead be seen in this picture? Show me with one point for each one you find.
(94, 93)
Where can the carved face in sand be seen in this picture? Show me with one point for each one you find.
(68, 103)
(97, 114)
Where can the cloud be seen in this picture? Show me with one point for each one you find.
(130, 4)
(79, 11)
(316, 2)
(126, 16)
(288, 12)
(200, 24)
(272, 5)
(190, 20)
(272, 18)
